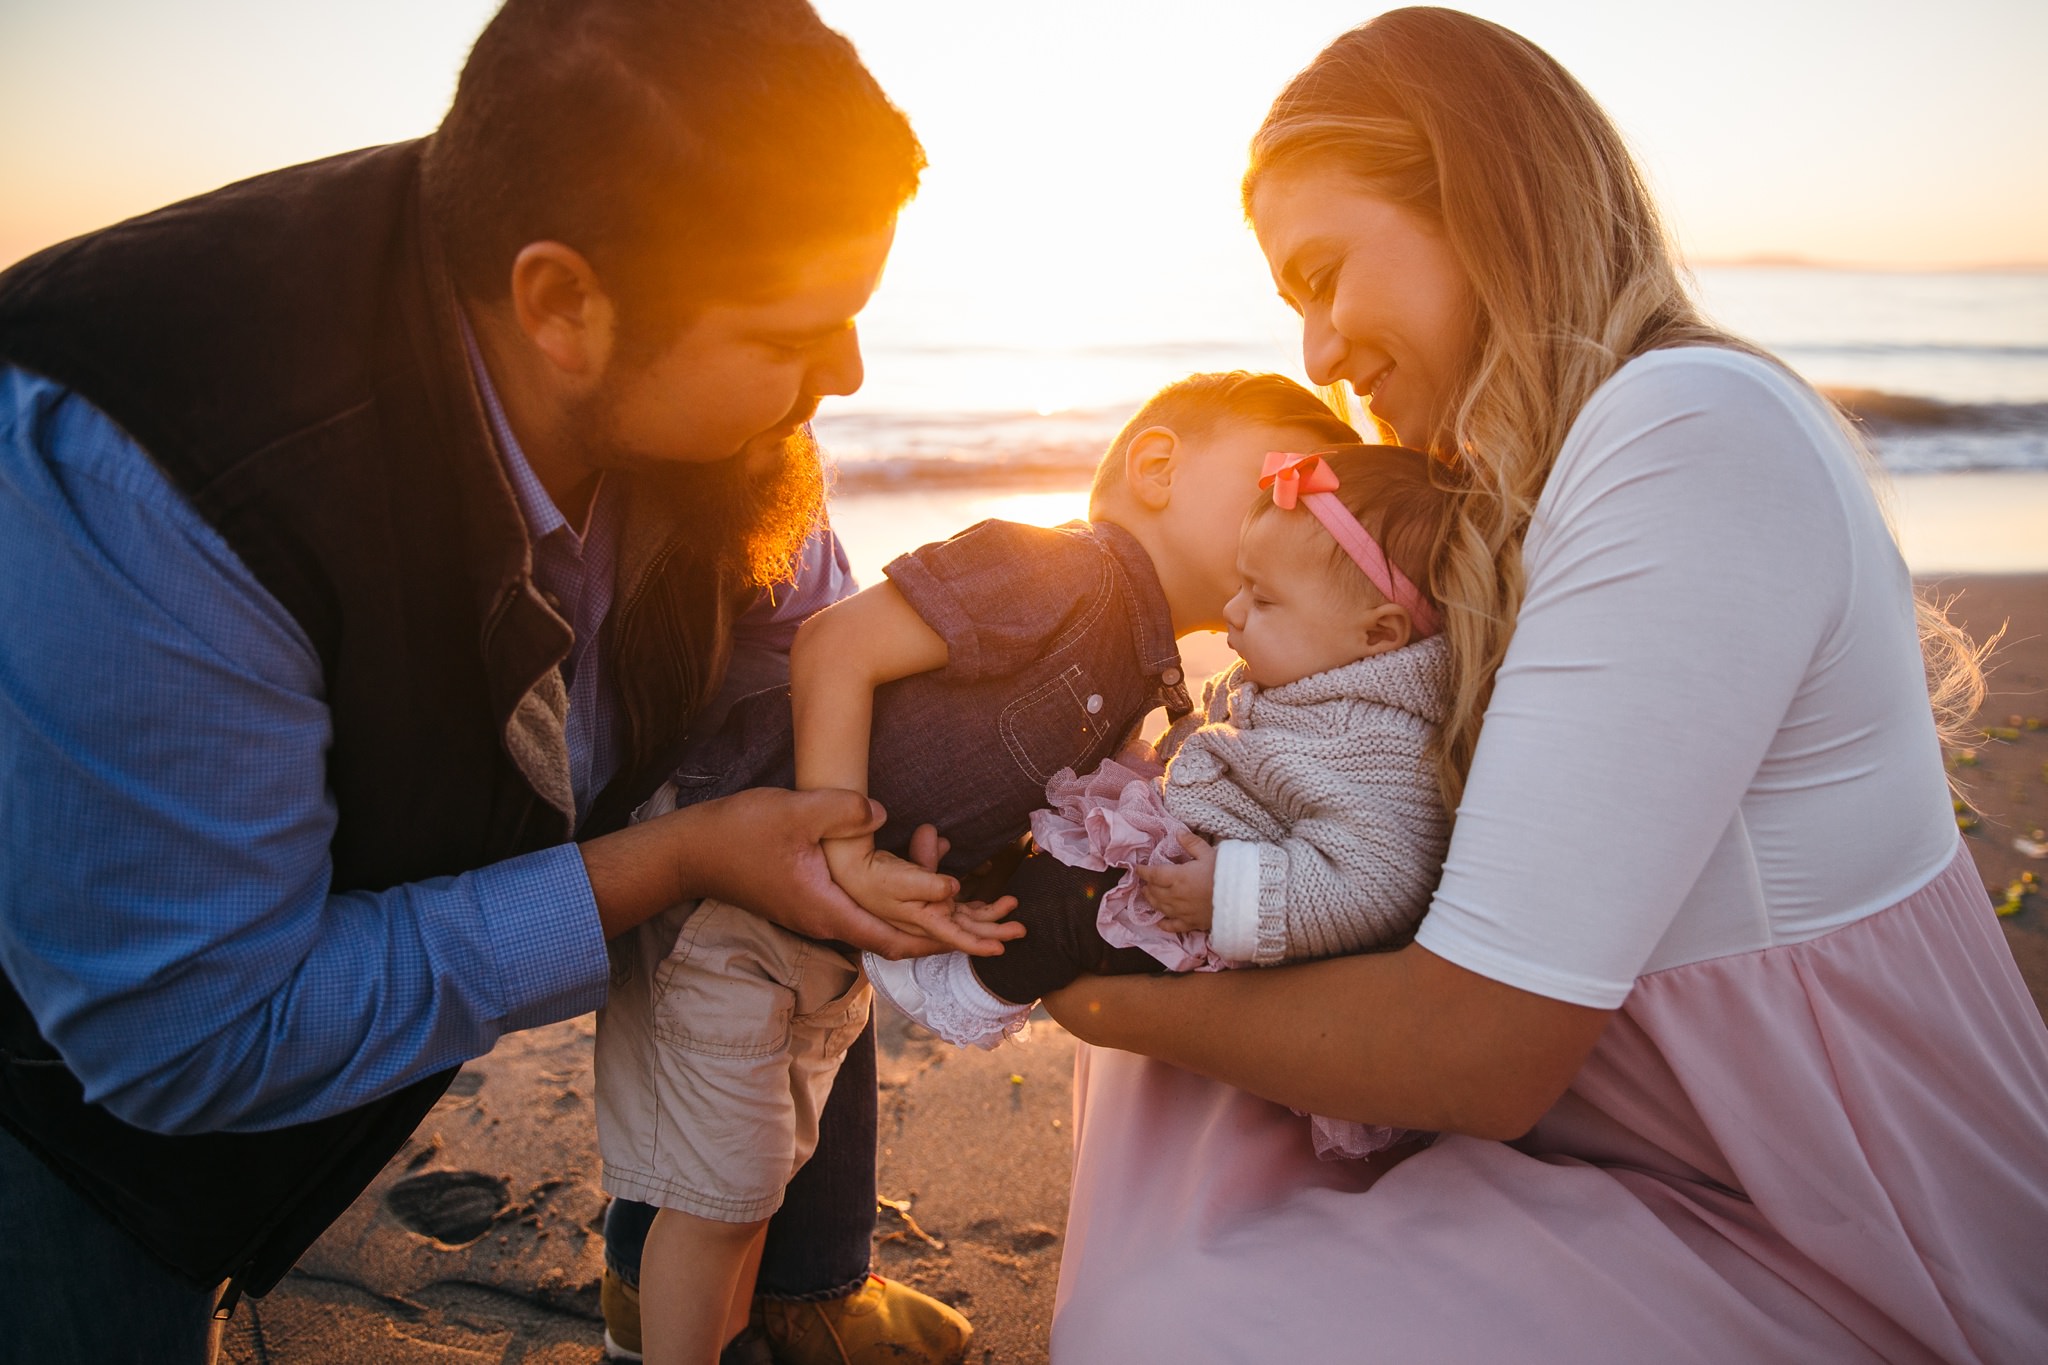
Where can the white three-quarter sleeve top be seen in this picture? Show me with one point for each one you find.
(1711, 732)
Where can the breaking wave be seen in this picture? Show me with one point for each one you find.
(884, 452)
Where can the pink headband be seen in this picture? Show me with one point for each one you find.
(1310, 479)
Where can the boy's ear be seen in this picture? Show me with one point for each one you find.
(1384, 629)
(1150, 461)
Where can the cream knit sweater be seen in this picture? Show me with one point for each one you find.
(1324, 796)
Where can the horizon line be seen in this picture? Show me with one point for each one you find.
(1789, 260)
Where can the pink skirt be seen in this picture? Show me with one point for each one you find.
(1831, 1151)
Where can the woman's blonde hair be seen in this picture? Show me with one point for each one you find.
(1570, 268)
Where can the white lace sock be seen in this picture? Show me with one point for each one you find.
(944, 995)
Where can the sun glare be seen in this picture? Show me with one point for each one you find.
(1084, 157)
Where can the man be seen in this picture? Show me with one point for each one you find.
(374, 530)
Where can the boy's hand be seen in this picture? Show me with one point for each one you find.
(1184, 894)
(916, 899)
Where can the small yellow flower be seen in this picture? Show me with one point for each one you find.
(2025, 885)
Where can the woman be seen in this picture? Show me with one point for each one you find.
(1729, 1058)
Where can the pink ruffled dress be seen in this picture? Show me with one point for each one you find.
(1116, 816)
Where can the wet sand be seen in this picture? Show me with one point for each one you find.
(479, 1242)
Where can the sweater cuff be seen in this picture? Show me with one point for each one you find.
(1272, 944)
(1234, 916)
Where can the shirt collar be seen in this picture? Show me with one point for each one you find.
(543, 518)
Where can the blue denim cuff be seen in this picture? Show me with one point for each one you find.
(838, 1291)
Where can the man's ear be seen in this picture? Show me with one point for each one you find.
(1384, 629)
(562, 308)
(1150, 462)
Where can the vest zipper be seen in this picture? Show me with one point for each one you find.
(647, 576)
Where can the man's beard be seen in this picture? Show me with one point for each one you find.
(756, 509)
(750, 513)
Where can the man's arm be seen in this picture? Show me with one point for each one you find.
(165, 907)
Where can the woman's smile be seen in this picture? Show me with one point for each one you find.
(1369, 388)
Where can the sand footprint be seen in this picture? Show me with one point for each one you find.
(453, 1208)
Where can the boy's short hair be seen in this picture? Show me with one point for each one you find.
(684, 147)
(1394, 493)
(1196, 406)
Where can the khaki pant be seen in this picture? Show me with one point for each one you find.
(716, 1051)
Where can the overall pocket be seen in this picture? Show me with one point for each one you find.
(1054, 725)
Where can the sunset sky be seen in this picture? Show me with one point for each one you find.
(1084, 152)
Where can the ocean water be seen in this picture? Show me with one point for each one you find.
(1948, 373)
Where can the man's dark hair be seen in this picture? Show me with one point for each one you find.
(684, 147)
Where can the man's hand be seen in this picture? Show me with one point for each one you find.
(759, 850)
(1184, 894)
(917, 899)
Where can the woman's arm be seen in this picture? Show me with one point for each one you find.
(841, 655)
(1403, 1038)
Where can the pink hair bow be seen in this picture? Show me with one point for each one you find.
(1289, 476)
(1309, 480)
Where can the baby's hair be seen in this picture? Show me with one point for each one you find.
(1195, 407)
(1390, 489)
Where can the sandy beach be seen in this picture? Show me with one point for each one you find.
(480, 1240)
(2003, 779)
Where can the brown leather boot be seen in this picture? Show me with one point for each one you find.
(881, 1321)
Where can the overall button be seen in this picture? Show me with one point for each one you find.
(1094, 702)
(1171, 677)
